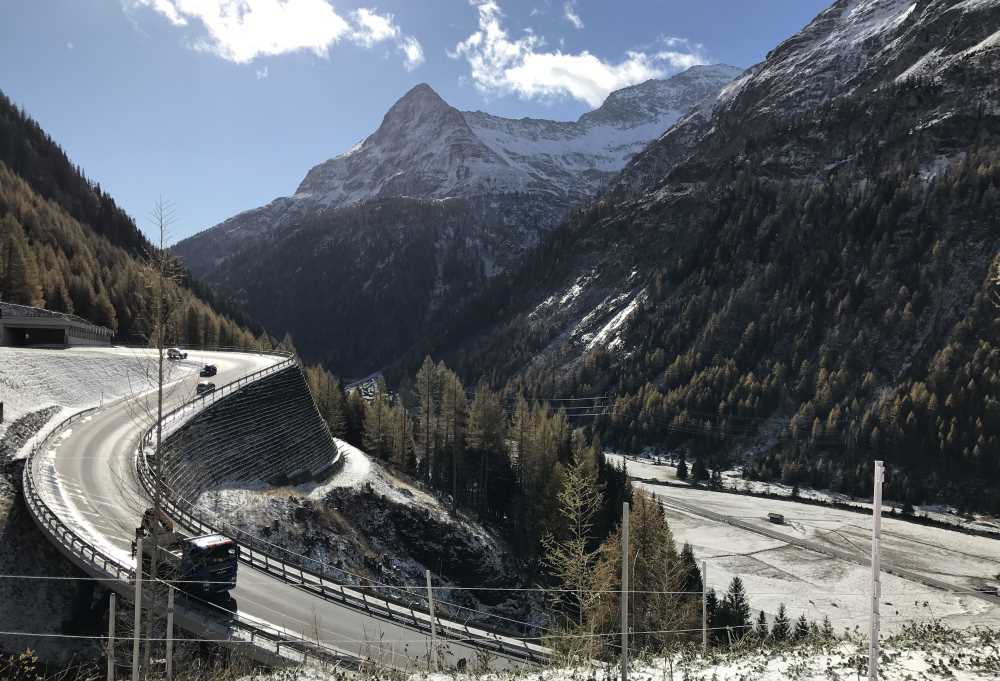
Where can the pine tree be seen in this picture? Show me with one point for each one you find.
(378, 420)
(761, 630)
(781, 627)
(826, 630)
(712, 611)
(692, 584)
(801, 628)
(568, 555)
(21, 283)
(698, 471)
(657, 576)
(427, 385)
(354, 415)
(486, 438)
(737, 607)
(402, 439)
(682, 469)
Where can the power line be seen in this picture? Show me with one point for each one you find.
(381, 641)
(953, 589)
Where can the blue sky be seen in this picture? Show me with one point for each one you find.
(223, 105)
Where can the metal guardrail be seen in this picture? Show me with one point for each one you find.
(103, 565)
(293, 568)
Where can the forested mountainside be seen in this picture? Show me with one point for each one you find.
(807, 285)
(492, 188)
(358, 284)
(66, 245)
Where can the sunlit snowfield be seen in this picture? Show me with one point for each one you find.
(809, 581)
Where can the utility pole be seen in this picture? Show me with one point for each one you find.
(111, 637)
(876, 571)
(138, 608)
(170, 633)
(431, 662)
(625, 571)
(704, 606)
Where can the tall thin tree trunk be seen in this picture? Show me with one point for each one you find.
(161, 276)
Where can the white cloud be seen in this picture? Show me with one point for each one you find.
(571, 15)
(413, 52)
(681, 53)
(373, 27)
(70, 45)
(499, 64)
(243, 30)
(167, 9)
(262, 73)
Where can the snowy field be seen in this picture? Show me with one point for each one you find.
(661, 468)
(76, 379)
(807, 580)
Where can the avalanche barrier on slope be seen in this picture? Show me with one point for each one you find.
(266, 432)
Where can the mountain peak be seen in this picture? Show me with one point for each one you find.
(420, 107)
(426, 148)
(421, 96)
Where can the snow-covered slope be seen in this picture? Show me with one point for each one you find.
(855, 45)
(76, 378)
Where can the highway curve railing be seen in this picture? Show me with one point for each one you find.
(302, 571)
(269, 644)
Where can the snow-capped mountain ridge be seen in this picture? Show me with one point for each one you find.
(427, 148)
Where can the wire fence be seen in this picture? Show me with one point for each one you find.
(886, 593)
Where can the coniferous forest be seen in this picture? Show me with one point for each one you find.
(65, 245)
(540, 480)
(821, 323)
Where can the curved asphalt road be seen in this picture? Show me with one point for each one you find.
(88, 478)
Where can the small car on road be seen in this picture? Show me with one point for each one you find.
(209, 370)
(204, 388)
(175, 353)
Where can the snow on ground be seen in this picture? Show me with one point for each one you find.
(809, 581)
(924, 653)
(365, 523)
(606, 336)
(357, 473)
(661, 468)
(75, 379)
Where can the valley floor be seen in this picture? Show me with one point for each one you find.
(817, 562)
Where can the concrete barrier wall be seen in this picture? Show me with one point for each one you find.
(266, 433)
